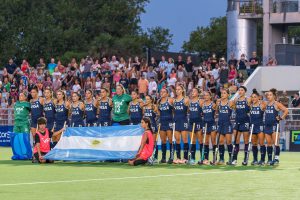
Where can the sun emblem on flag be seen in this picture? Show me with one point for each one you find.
(95, 142)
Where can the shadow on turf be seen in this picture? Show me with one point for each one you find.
(126, 166)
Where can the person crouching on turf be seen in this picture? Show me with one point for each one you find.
(42, 141)
(147, 144)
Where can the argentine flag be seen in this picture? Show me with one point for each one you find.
(97, 143)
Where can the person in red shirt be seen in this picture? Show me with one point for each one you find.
(42, 140)
(147, 144)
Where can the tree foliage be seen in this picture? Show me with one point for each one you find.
(33, 28)
(208, 39)
(159, 38)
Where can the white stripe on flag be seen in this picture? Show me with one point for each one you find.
(125, 143)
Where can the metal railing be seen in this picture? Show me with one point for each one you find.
(6, 116)
(253, 7)
(280, 6)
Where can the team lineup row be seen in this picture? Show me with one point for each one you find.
(178, 118)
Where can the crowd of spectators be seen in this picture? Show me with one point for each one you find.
(148, 78)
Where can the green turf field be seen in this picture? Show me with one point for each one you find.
(24, 180)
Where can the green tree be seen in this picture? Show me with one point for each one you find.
(208, 39)
(32, 28)
(159, 38)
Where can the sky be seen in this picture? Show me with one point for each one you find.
(181, 16)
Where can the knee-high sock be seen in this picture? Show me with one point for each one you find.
(222, 150)
(262, 153)
(270, 152)
(178, 151)
(164, 150)
(255, 151)
(156, 152)
(206, 152)
(201, 149)
(185, 150)
(277, 153)
(229, 149)
(236, 151)
(246, 151)
(193, 151)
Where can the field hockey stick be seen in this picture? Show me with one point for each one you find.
(234, 142)
(73, 124)
(276, 139)
(155, 144)
(173, 143)
(203, 143)
(249, 143)
(54, 125)
(217, 149)
(191, 143)
(64, 129)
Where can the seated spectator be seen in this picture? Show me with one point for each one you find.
(10, 68)
(76, 87)
(143, 86)
(232, 73)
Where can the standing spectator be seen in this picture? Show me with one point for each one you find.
(232, 60)
(224, 72)
(98, 84)
(253, 63)
(122, 64)
(189, 66)
(114, 63)
(284, 99)
(143, 86)
(116, 77)
(6, 84)
(41, 64)
(242, 66)
(88, 84)
(136, 63)
(51, 66)
(272, 62)
(213, 60)
(104, 64)
(201, 83)
(216, 72)
(179, 61)
(106, 84)
(60, 67)
(56, 84)
(76, 87)
(163, 63)
(153, 63)
(181, 73)
(152, 89)
(296, 104)
(25, 67)
(47, 83)
(124, 81)
(73, 64)
(133, 75)
(161, 77)
(151, 73)
(232, 73)
(87, 69)
(170, 66)
(212, 86)
(11, 68)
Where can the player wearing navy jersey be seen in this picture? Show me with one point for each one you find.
(49, 108)
(90, 108)
(224, 107)
(181, 106)
(165, 111)
(272, 119)
(150, 111)
(135, 108)
(242, 120)
(105, 107)
(208, 109)
(256, 120)
(62, 108)
(195, 117)
(77, 111)
(36, 109)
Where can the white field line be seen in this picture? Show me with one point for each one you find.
(131, 177)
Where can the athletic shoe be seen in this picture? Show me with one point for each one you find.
(155, 161)
(170, 161)
(200, 162)
(163, 161)
(228, 162)
(234, 162)
(244, 163)
(275, 162)
(221, 162)
(261, 163)
(269, 163)
(254, 163)
(192, 162)
(177, 161)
